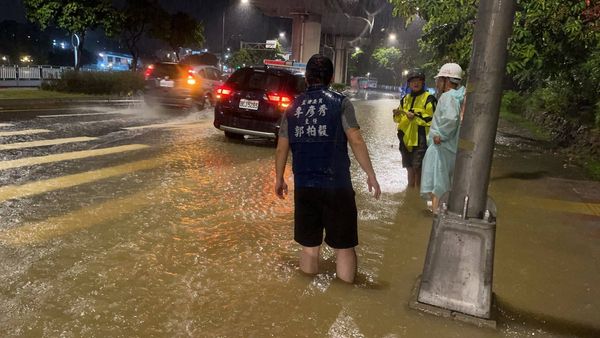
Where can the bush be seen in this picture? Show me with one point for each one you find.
(597, 113)
(513, 102)
(97, 83)
(338, 87)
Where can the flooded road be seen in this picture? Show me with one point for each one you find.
(127, 223)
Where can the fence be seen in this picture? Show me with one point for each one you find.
(28, 76)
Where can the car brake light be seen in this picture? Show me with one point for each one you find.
(191, 79)
(149, 71)
(282, 101)
(223, 92)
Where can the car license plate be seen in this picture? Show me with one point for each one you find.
(166, 83)
(249, 104)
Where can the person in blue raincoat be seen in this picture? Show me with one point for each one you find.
(438, 163)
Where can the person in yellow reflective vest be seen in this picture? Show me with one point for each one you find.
(413, 117)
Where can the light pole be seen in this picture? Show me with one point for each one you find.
(244, 2)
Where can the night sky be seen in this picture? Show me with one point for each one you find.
(241, 22)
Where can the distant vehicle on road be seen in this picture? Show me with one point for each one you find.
(210, 78)
(358, 83)
(171, 85)
(253, 100)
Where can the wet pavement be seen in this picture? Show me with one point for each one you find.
(127, 222)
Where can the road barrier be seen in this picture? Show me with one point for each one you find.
(29, 76)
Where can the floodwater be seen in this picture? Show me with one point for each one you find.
(183, 237)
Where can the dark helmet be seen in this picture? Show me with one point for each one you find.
(415, 73)
(319, 69)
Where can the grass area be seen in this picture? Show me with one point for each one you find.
(35, 93)
(593, 168)
(519, 120)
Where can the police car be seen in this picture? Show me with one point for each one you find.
(253, 100)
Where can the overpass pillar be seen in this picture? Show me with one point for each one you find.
(306, 35)
(340, 60)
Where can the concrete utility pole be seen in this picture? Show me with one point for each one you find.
(457, 276)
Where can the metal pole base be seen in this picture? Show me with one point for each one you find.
(414, 304)
(457, 275)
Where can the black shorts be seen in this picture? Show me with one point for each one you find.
(331, 209)
(414, 158)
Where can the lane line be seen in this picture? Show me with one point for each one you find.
(21, 145)
(86, 114)
(23, 132)
(6, 124)
(74, 155)
(40, 187)
(34, 233)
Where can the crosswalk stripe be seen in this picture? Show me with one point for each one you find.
(86, 114)
(165, 125)
(21, 145)
(34, 233)
(40, 187)
(6, 124)
(74, 155)
(23, 132)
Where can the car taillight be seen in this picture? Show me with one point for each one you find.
(223, 92)
(149, 71)
(283, 101)
(191, 79)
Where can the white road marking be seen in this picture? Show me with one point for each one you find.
(23, 132)
(42, 143)
(74, 155)
(87, 114)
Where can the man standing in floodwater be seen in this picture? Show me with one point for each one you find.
(317, 128)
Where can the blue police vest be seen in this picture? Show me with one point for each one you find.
(318, 141)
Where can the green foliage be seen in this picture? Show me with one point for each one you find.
(181, 30)
(554, 56)
(246, 57)
(97, 83)
(131, 22)
(513, 102)
(72, 16)
(338, 87)
(448, 33)
(597, 115)
(391, 60)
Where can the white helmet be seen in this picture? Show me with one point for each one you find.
(451, 70)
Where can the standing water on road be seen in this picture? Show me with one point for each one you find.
(182, 235)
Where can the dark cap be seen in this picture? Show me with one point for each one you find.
(319, 69)
(415, 73)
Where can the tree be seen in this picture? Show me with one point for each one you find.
(389, 58)
(76, 17)
(549, 36)
(181, 30)
(250, 57)
(132, 22)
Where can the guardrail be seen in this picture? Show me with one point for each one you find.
(29, 76)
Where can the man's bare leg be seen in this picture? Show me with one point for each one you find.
(309, 259)
(345, 264)
(411, 177)
(434, 203)
(417, 177)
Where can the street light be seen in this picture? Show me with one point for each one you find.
(357, 49)
(282, 35)
(392, 37)
(244, 2)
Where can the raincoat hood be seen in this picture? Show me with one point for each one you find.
(458, 94)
